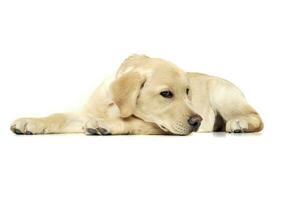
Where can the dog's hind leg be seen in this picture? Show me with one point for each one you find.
(230, 103)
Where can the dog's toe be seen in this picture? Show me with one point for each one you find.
(92, 131)
(94, 127)
(28, 133)
(236, 126)
(238, 131)
(28, 126)
(15, 130)
(103, 131)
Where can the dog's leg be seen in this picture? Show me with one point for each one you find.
(56, 123)
(83, 123)
(231, 104)
(247, 121)
(122, 126)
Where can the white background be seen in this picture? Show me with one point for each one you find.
(54, 53)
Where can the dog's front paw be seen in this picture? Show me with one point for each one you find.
(95, 127)
(237, 126)
(28, 126)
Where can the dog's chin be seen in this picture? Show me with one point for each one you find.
(182, 133)
(174, 132)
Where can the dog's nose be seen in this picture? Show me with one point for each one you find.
(195, 122)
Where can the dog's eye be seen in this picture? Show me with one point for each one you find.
(187, 91)
(166, 94)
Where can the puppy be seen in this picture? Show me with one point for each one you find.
(153, 96)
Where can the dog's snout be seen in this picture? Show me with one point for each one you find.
(195, 122)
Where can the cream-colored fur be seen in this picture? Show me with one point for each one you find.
(130, 103)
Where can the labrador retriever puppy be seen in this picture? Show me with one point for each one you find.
(153, 96)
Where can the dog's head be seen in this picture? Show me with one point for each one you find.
(156, 91)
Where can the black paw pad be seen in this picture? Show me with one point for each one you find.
(237, 131)
(103, 131)
(92, 131)
(28, 133)
(16, 131)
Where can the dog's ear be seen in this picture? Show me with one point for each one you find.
(125, 91)
(132, 62)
